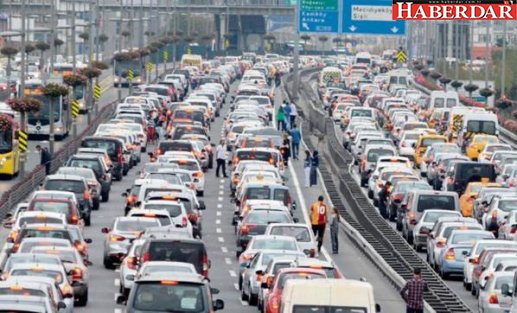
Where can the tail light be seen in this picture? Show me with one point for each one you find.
(13, 235)
(494, 214)
(198, 174)
(131, 263)
(77, 274)
(492, 299)
(131, 199)
(271, 161)
(80, 247)
(513, 229)
(204, 260)
(275, 303)
(440, 243)
(397, 197)
(245, 230)
(403, 144)
(86, 195)
(117, 238)
(74, 219)
(120, 157)
(184, 221)
(312, 253)
(66, 290)
(411, 217)
(450, 255)
(146, 257)
(15, 247)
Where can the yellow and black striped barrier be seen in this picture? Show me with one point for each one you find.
(150, 66)
(97, 92)
(165, 56)
(130, 75)
(75, 108)
(23, 141)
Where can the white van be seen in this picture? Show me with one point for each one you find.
(319, 295)
(478, 123)
(397, 80)
(443, 99)
(363, 57)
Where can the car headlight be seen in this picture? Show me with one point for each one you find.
(116, 80)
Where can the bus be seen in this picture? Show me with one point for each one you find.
(120, 70)
(64, 69)
(191, 60)
(38, 123)
(9, 153)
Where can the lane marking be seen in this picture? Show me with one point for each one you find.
(228, 261)
(232, 273)
(244, 303)
(218, 230)
(218, 213)
(221, 192)
(304, 206)
(224, 249)
(117, 282)
(236, 286)
(117, 270)
(221, 186)
(219, 206)
(117, 310)
(222, 181)
(220, 199)
(220, 239)
(218, 221)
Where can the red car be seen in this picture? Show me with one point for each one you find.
(272, 302)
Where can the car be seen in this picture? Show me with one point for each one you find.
(129, 267)
(38, 217)
(426, 223)
(491, 298)
(89, 176)
(57, 272)
(161, 215)
(486, 258)
(100, 181)
(29, 257)
(451, 258)
(73, 263)
(118, 238)
(176, 209)
(497, 210)
(273, 301)
(267, 242)
(115, 149)
(165, 266)
(302, 232)
(470, 194)
(66, 206)
(508, 228)
(163, 292)
(23, 303)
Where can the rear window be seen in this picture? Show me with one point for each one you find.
(93, 164)
(268, 244)
(300, 233)
(468, 237)
(290, 276)
(504, 280)
(448, 230)
(507, 205)
(174, 210)
(180, 146)
(108, 145)
(432, 217)
(484, 127)
(50, 206)
(267, 217)
(362, 113)
(22, 292)
(149, 190)
(258, 193)
(255, 155)
(169, 297)
(187, 165)
(37, 233)
(65, 185)
(170, 178)
(467, 171)
(326, 309)
(178, 251)
(160, 91)
(46, 273)
(430, 141)
(438, 202)
(164, 220)
(281, 195)
(135, 226)
(374, 154)
(35, 220)
(180, 131)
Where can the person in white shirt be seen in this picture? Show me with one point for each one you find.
(220, 157)
(292, 114)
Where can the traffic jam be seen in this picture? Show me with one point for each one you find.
(162, 148)
(437, 170)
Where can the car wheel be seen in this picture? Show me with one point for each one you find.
(200, 193)
(468, 286)
(252, 298)
(409, 237)
(96, 204)
(240, 282)
(370, 194)
(108, 264)
(417, 247)
(375, 202)
(472, 290)
(443, 274)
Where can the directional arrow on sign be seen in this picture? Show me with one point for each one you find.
(394, 29)
(352, 28)
(306, 26)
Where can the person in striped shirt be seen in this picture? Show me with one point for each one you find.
(318, 215)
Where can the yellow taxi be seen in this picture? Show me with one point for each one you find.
(425, 141)
(469, 196)
(478, 143)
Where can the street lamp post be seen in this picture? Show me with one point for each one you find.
(89, 97)
(503, 61)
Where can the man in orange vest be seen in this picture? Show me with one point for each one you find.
(318, 216)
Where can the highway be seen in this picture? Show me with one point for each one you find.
(218, 235)
(454, 283)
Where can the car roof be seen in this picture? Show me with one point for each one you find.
(64, 177)
(172, 276)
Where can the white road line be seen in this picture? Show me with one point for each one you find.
(232, 273)
(117, 270)
(303, 206)
(244, 303)
(220, 239)
(117, 311)
(219, 206)
(218, 230)
(218, 221)
(117, 282)
(116, 296)
(222, 181)
(218, 213)
(221, 192)
(224, 249)
(228, 261)
(236, 286)
(220, 199)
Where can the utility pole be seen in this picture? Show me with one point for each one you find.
(90, 61)
(74, 67)
(97, 24)
(296, 56)
(52, 36)
(141, 37)
(487, 52)
(503, 61)
(471, 50)
(175, 43)
(23, 154)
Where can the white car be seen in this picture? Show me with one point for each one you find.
(301, 232)
(508, 228)
(193, 167)
(425, 224)
(129, 268)
(176, 209)
(491, 299)
(165, 266)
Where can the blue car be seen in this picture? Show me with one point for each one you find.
(458, 246)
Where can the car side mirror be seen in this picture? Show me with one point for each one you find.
(377, 308)
(414, 145)
(214, 291)
(431, 235)
(88, 240)
(124, 194)
(105, 230)
(61, 305)
(296, 220)
(202, 205)
(505, 290)
(465, 253)
(121, 299)
(218, 304)
(403, 207)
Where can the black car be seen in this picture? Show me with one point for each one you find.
(96, 163)
(463, 173)
(115, 150)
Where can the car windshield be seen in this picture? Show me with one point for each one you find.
(166, 296)
(374, 154)
(276, 244)
(300, 233)
(39, 219)
(51, 206)
(173, 209)
(428, 202)
(136, 226)
(507, 205)
(266, 217)
(74, 186)
(432, 217)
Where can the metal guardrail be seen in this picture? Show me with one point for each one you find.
(363, 217)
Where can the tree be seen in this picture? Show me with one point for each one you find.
(9, 52)
(58, 42)
(24, 105)
(305, 39)
(126, 34)
(29, 48)
(323, 39)
(103, 38)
